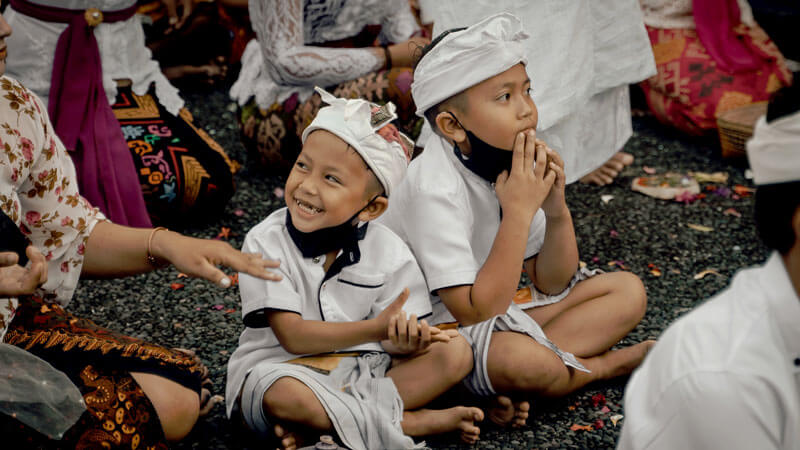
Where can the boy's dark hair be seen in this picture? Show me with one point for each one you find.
(433, 111)
(777, 203)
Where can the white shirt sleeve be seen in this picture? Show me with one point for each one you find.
(702, 410)
(258, 294)
(279, 27)
(438, 230)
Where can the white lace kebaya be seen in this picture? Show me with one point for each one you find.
(284, 60)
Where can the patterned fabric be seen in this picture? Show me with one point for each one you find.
(272, 137)
(39, 192)
(690, 91)
(183, 172)
(118, 415)
(98, 361)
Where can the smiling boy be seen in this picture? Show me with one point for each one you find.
(312, 355)
(486, 198)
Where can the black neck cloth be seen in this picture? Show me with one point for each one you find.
(486, 161)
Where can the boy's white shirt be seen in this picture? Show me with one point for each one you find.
(726, 375)
(360, 291)
(449, 217)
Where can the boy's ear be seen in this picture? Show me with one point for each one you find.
(374, 209)
(450, 128)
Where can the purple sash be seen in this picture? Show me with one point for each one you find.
(84, 120)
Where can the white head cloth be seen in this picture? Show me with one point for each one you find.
(774, 150)
(464, 58)
(357, 122)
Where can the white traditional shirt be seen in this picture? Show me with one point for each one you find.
(359, 292)
(449, 216)
(727, 375)
(283, 59)
(582, 54)
(123, 53)
(39, 192)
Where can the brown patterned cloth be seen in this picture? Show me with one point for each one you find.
(185, 175)
(272, 137)
(99, 362)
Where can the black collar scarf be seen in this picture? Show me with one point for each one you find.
(486, 161)
(322, 241)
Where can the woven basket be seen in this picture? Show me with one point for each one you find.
(736, 127)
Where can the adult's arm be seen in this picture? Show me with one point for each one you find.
(114, 250)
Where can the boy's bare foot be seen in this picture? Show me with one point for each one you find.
(606, 173)
(208, 401)
(424, 422)
(625, 360)
(503, 411)
(287, 439)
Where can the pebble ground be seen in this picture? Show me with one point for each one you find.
(639, 232)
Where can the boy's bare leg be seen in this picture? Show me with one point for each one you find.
(422, 378)
(289, 401)
(541, 372)
(596, 314)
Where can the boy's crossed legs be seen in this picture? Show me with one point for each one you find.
(594, 316)
(419, 379)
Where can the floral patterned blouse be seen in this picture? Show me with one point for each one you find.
(39, 192)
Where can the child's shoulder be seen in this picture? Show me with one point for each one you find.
(271, 229)
(383, 248)
(433, 173)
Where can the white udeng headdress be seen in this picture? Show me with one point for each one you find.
(358, 123)
(774, 150)
(464, 58)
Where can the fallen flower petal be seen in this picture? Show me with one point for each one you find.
(219, 307)
(598, 424)
(616, 418)
(182, 275)
(701, 228)
(239, 212)
(576, 427)
(649, 170)
(613, 233)
(176, 286)
(732, 212)
(605, 409)
(606, 198)
(230, 311)
(743, 191)
(598, 399)
(701, 275)
(224, 233)
(278, 192)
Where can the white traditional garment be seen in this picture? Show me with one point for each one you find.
(774, 150)
(581, 57)
(122, 47)
(449, 217)
(360, 291)
(39, 192)
(283, 59)
(357, 122)
(678, 13)
(726, 375)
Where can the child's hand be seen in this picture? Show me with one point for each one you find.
(409, 336)
(387, 315)
(522, 191)
(555, 204)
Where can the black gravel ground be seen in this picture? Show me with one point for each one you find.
(631, 228)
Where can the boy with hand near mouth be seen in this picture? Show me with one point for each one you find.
(313, 353)
(483, 199)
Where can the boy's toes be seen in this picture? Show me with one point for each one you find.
(285, 437)
(623, 157)
(469, 431)
(521, 413)
(501, 411)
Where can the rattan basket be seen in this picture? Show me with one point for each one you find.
(736, 126)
